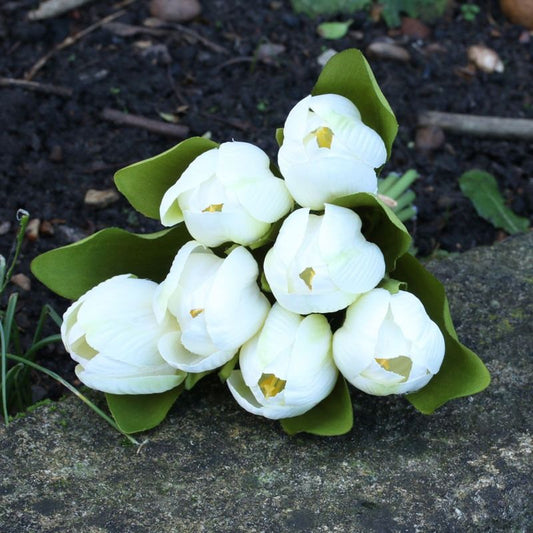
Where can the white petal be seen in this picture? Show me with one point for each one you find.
(295, 124)
(214, 229)
(266, 200)
(244, 397)
(313, 182)
(241, 161)
(140, 384)
(168, 286)
(236, 308)
(355, 342)
(176, 355)
(361, 141)
(200, 170)
(324, 104)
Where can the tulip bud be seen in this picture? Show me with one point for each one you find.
(112, 332)
(328, 152)
(388, 344)
(287, 368)
(321, 263)
(217, 304)
(227, 194)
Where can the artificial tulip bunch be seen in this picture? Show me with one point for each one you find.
(287, 282)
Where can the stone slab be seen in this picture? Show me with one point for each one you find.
(212, 467)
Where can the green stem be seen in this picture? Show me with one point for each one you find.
(406, 199)
(406, 214)
(402, 184)
(74, 390)
(385, 184)
(24, 218)
(3, 353)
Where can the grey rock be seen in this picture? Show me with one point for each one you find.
(212, 467)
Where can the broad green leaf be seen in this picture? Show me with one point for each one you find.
(332, 416)
(139, 412)
(72, 270)
(380, 225)
(349, 74)
(145, 183)
(482, 189)
(334, 30)
(462, 372)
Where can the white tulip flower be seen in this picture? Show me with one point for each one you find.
(287, 368)
(388, 344)
(227, 194)
(321, 263)
(112, 332)
(328, 152)
(217, 304)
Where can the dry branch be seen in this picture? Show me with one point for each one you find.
(136, 121)
(36, 86)
(499, 127)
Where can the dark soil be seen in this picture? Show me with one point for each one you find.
(54, 148)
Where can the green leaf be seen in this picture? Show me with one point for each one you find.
(139, 412)
(312, 8)
(462, 372)
(332, 416)
(145, 183)
(226, 370)
(192, 379)
(349, 74)
(380, 225)
(482, 189)
(72, 270)
(334, 30)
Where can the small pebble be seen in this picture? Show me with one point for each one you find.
(415, 28)
(101, 198)
(22, 281)
(383, 50)
(175, 10)
(325, 56)
(46, 229)
(5, 227)
(32, 229)
(429, 138)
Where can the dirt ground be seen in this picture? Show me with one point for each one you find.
(206, 72)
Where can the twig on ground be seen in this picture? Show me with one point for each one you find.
(52, 8)
(500, 127)
(136, 121)
(206, 42)
(36, 86)
(70, 40)
(233, 122)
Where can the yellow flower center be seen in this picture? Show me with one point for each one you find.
(324, 136)
(271, 385)
(399, 365)
(195, 312)
(307, 276)
(213, 208)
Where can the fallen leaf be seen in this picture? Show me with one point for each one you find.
(334, 30)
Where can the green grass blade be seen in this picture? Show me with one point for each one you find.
(72, 389)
